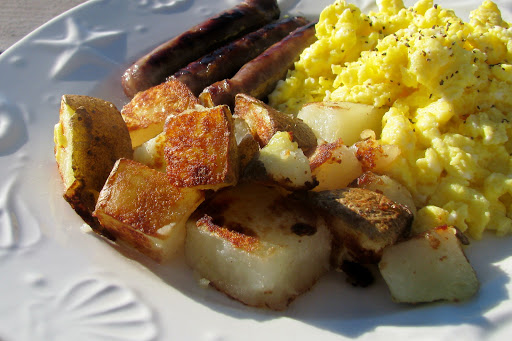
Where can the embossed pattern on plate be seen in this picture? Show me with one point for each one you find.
(60, 282)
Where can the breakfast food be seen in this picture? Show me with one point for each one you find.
(138, 206)
(225, 61)
(443, 85)
(335, 172)
(145, 114)
(431, 266)
(258, 77)
(363, 223)
(258, 245)
(264, 122)
(89, 138)
(153, 68)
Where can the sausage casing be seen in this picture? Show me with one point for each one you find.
(169, 57)
(258, 77)
(225, 61)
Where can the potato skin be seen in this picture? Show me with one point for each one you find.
(98, 137)
(265, 121)
(363, 223)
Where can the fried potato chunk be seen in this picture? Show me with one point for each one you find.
(387, 186)
(429, 267)
(334, 165)
(144, 211)
(145, 114)
(257, 245)
(362, 222)
(151, 153)
(265, 121)
(89, 138)
(200, 148)
(334, 120)
(285, 163)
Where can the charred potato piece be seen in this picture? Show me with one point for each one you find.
(145, 114)
(429, 267)
(200, 148)
(89, 138)
(257, 245)
(144, 211)
(265, 121)
(363, 223)
(387, 186)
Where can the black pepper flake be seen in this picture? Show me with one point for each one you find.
(441, 82)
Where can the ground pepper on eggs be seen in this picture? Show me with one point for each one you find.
(446, 85)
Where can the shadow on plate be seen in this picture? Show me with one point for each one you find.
(336, 306)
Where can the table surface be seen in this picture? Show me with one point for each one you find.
(20, 17)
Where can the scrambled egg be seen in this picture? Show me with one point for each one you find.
(446, 85)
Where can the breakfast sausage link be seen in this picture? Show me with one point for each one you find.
(258, 77)
(166, 59)
(228, 59)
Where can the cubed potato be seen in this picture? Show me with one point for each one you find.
(334, 166)
(151, 153)
(144, 211)
(145, 114)
(285, 163)
(373, 155)
(257, 245)
(264, 122)
(200, 148)
(429, 267)
(334, 120)
(387, 186)
(89, 138)
(363, 223)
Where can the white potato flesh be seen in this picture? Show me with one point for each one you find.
(257, 246)
(429, 267)
(151, 153)
(285, 162)
(334, 166)
(333, 120)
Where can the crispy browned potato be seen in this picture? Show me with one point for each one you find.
(89, 138)
(334, 165)
(362, 222)
(143, 210)
(264, 121)
(200, 148)
(258, 245)
(145, 114)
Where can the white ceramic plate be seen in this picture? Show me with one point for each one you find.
(59, 282)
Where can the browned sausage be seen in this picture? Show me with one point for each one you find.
(166, 59)
(227, 60)
(258, 77)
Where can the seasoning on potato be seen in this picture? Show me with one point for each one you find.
(444, 84)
